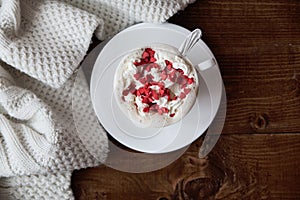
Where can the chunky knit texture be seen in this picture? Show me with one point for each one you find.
(66, 105)
(48, 39)
(66, 151)
(36, 187)
(41, 45)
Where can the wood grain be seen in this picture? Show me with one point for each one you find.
(239, 167)
(257, 45)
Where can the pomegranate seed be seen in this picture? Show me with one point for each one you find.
(150, 51)
(125, 92)
(179, 79)
(147, 91)
(155, 95)
(172, 115)
(172, 78)
(147, 85)
(152, 60)
(190, 80)
(142, 90)
(133, 91)
(155, 65)
(169, 65)
(186, 90)
(146, 109)
(143, 80)
(183, 85)
(148, 68)
(180, 71)
(161, 84)
(145, 100)
(163, 76)
(182, 95)
(184, 81)
(149, 78)
(169, 97)
(137, 76)
(161, 92)
(165, 110)
(131, 86)
(160, 111)
(145, 54)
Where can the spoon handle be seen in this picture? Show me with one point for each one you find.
(190, 41)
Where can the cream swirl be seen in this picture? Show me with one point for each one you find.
(155, 86)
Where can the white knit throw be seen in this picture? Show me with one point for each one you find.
(41, 45)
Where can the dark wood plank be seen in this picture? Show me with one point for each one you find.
(239, 167)
(257, 44)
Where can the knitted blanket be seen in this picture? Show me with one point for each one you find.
(41, 46)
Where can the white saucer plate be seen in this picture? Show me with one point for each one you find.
(153, 140)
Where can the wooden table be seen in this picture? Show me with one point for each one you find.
(257, 45)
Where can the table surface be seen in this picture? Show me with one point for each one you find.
(257, 45)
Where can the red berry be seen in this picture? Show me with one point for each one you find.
(161, 84)
(145, 100)
(165, 110)
(131, 86)
(149, 78)
(190, 80)
(163, 75)
(169, 64)
(179, 79)
(161, 92)
(125, 92)
(146, 109)
(172, 78)
(160, 111)
(152, 60)
(155, 95)
(183, 85)
(180, 71)
(143, 80)
(150, 51)
(137, 76)
(172, 115)
(182, 95)
(145, 54)
(186, 90)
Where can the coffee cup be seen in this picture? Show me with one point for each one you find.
(156, 85)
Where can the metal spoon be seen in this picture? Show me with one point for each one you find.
(190, 41)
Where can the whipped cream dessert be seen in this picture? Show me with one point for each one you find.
(155, 86)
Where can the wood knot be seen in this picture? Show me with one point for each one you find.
(201, 188)
(163, 198)
(259, 121)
